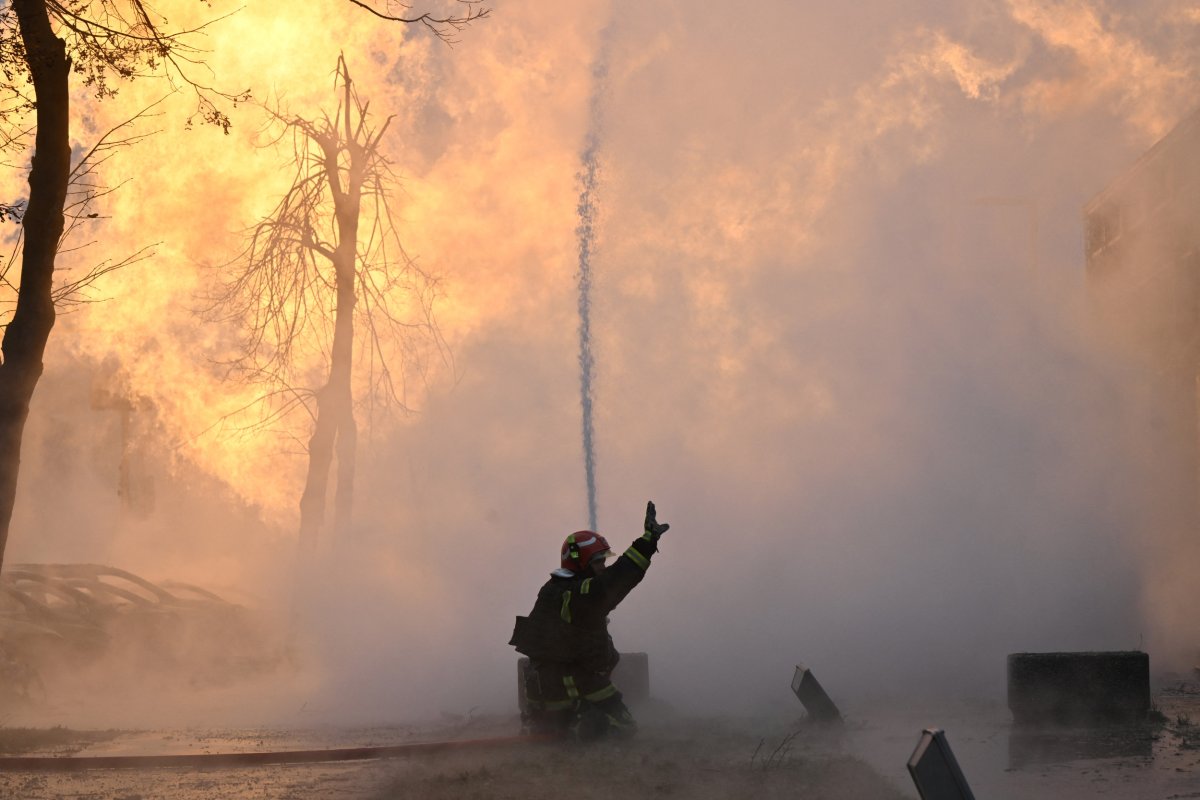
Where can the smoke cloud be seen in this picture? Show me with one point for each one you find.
(846, 347)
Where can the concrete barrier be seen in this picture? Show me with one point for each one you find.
(935, 771)
(817, 703)
(1079, 688)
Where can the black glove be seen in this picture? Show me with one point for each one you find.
(654, 528)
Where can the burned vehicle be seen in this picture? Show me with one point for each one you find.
(86, 622)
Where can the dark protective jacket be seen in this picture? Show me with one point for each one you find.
(569, 621)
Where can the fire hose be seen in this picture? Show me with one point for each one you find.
(252, 759)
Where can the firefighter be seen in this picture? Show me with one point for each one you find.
(568, 688)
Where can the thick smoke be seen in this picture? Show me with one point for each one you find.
(885, 448)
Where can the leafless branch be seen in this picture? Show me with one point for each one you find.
(292, 397)
(75, 292)
(85, 190)
(445, 28)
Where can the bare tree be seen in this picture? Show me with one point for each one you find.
(43, 43)
(325, 265)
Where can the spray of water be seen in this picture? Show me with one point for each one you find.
(588, 177)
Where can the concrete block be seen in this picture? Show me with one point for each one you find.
(935, 770)
(631, 677)
(816, 702)
(1079, 688)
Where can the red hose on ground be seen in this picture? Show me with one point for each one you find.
(76, 763)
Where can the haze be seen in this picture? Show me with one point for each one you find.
(839, 320)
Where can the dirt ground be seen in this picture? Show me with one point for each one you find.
(673, 756)
(698, 759)
(1153, 760)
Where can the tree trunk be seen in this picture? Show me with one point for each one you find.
(342, 364)
(335, 405)
(29, 329)
(316, 483)
(347, 458)
(335, 413)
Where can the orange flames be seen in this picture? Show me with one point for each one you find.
(486, 139)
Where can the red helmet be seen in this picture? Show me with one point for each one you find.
(581, 547)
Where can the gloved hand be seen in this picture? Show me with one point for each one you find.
(654, 528)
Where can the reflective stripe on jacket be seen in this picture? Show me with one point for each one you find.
(583, 603)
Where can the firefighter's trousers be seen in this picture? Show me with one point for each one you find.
(563, 699)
